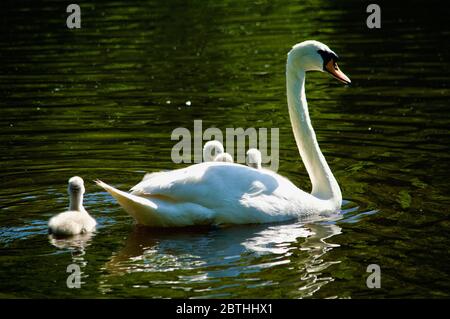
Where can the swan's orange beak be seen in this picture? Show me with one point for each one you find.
(334, 70)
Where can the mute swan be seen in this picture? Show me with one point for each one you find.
(228, 193)
(254, 158)
(213, 152)
(76, 220)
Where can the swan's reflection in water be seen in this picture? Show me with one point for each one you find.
(76, 245)
(201, 260)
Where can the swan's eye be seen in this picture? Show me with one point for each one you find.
(328, 57)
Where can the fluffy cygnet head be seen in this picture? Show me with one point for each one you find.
(223, 157)
(211, 149)
(254, 158)
(76, 190)
(76, 185)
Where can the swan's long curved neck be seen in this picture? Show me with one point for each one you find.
(324, 185)
(76, 201)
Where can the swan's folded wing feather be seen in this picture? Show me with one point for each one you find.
(174, 184)
(212, 184)
(159, 211)
(211, 193)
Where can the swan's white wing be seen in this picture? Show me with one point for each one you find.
(211, 181)
(239, 191)
(213, 193)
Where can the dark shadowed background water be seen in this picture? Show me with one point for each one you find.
(102, 101)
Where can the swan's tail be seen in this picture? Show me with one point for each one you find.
(159, 211)
(142, 209)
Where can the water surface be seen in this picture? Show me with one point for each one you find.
(102, 101)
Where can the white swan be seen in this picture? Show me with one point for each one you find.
(76, 220)
(228, 193)
(213, 152)
(254, 158)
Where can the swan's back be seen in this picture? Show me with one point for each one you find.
(216, 193)
(230, 193)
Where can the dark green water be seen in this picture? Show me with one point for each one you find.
(93, 102)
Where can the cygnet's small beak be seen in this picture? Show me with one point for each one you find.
(334, 70)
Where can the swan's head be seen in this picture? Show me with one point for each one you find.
(76, 186)
(254, 158)
(211, 149)
(313, 55)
